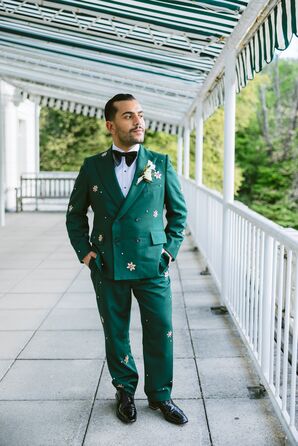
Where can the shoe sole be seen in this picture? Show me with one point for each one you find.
(153, 407)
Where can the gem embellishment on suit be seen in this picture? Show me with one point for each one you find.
(169, 334)
(104, 153)
(95, 188)
(157, 175)
(102, 319)
(155, 213)
(125, 360)
(100, 238)
(166, 273)
(70, 208)
(131, 266)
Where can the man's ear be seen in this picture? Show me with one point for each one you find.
(109, 126)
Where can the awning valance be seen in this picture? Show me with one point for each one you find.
(275, 33)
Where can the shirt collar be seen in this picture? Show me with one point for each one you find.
(134, 148)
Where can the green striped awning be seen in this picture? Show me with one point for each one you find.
(165, 48)
(275, 33)
(77, 54)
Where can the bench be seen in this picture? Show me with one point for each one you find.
(37, 188)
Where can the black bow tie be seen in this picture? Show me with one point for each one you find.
(129, 157)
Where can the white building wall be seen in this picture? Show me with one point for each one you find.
(21, 142)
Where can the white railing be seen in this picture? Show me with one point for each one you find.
(205, 223)
(262, 288)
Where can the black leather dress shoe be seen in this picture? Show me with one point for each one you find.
(126, 409)
(170, 411)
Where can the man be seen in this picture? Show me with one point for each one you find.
(129, 251)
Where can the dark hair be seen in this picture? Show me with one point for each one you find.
(110, 109)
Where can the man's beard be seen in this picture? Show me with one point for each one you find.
(129, 139)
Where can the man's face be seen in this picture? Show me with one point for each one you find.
(128, 125)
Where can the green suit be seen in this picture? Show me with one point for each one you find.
(128, 236)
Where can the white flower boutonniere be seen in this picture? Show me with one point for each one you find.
(146, 174)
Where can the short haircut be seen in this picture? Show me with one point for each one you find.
(111, 110)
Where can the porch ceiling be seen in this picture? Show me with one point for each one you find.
(161, 51)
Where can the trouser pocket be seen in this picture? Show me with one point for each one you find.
(163, 263)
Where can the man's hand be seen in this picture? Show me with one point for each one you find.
(163, 250)
(87, 258)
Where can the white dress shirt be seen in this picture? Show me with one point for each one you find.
(125, 173)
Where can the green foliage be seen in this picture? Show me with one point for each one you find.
(162, 142)
(67, 138)
(267, 143)
(213, 155)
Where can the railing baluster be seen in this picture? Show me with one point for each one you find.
(230, 260)
(260, 328)
(242, 255)
(233, 265)
(279, 319)
(266, 310)
(256, 309)
(248, 274)
(252, 287)
(294, 351)
(272, 315)
(286, 331)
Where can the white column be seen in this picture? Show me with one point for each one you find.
(2, 155)
(179, 151)
(186, 150)
(199, 144)
(18, 141)
(29, 111)
(36, 145)
(229, 162)
(11, 152)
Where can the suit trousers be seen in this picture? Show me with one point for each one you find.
(114, 298)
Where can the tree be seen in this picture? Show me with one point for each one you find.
(267, 144)
(67, 138)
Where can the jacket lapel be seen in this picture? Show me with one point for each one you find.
(135, 190)
(106, 170)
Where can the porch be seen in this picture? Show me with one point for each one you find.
(55, 387)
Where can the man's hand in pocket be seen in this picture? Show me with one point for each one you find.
(88, 257)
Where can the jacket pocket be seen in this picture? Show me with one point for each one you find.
(158, 237)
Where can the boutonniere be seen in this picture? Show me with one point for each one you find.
(146, 173)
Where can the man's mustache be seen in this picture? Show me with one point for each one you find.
(137, 128)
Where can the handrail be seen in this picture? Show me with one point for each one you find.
(276, 231)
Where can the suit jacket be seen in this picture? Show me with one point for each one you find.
(128, 233)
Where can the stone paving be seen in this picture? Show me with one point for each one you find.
(55, 389)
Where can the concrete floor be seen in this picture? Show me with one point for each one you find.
(55, 388)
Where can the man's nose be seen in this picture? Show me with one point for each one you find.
(137, 120)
